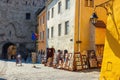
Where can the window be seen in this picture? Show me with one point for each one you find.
(43, 35)
(40, 21)
(67, 4)
(7, 1)
(89, 3)
(59, 7)
(10, 33)
(66, 27)
(33, 3)
(59, 29)
(27, 16)
(43, 19)
(52, 29)
(40, 36)
(26, 2)
(48, 33)
(52, 12)
(48, 15)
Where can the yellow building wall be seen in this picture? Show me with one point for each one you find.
(100, 35)
(82, 19)
(41, 43)
(111, 58)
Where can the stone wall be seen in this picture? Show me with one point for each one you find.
(13, 24)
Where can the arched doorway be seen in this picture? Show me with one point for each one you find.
(8, 50)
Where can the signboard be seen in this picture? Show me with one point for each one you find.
(34, 57)
(78, 61)
(84, 61)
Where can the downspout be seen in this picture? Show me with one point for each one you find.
(78, 45)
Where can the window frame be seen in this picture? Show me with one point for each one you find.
(43, 19)
(48, 32)
(28, 16)
(67, 4)
(59, 29)
(52, 13)
(52, 32)
(59, 7)
(40, 36)
(67, 27)
(40, 20)
(89, 3)
(48, 15)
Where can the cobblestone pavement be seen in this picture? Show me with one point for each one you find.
(9, 71)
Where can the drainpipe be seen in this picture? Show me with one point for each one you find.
(78, 46)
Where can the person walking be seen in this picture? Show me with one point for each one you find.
(25, 57)
(19, 60)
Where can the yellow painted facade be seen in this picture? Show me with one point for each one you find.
(41, 42)
(83, 26)
(111, 58)
(100, 35)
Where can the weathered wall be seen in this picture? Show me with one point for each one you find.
(62, 42)
(13, 24)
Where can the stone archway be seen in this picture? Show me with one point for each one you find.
(8, 50)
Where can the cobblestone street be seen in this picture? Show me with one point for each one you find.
(9, 71)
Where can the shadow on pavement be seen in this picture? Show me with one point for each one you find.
(14, 60)
(2, 79)
(89, 70)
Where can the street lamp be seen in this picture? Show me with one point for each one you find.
(110, 37)
(108, 6)
(94, 18)
(104, 5)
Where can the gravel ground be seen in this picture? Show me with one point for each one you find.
(9, 71)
